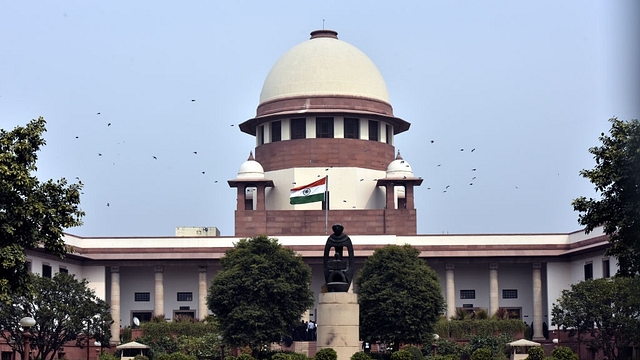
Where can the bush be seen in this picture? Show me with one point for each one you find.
(535, 353)
(140, 357)
(415, 352)
(386, 355)
(482, 354)
(245, 357)
(108, 356)
(402, 355)
(560, 353)
(360, 355)
(445, 347)
(326, 354)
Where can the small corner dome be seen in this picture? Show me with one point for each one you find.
(324, 66)
(251, 169)
(399, 168)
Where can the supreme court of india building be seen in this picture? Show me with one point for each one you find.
(324, 110)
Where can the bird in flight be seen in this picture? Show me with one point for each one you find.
(99, 154)
(474, 149)
(473, 169)
(155, 158)
(109, 124)
(195, 152)
(203, 172)
(97, 113)
(432, 141)
(461, 149)
(447, 186)
(107, 204)
(473, 178)
(192, 100)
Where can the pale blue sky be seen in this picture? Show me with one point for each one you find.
(529, 85)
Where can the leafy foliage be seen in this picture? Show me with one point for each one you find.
(402, 355)
(446, 347)
(399, 295)
(606, 309)
(326, 354)
(360, 355)
(617, 180)
(482, 354)
(32, 214)
(535, 353)
(496, 344)
(64, 310)
(563, 353)
(261, 290)
(462, 329)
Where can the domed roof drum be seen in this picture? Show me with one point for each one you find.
(324, 75)
(251, 169)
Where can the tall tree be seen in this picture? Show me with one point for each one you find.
(616, 177)
(33, 214)
(399, 295)
(608, 310)
(262, 289)
(65, 310)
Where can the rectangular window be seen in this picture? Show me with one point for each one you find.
(509, 293)
(185, 296)
(467, 294)
(374, 131)
(46, 271)
(298, 128)
(29, 266)
(588, 271)
(143, 316)
(324, 127)
(351, 128)
(64, 270)
(276, 133)
(389, 134)
(606, 272)
(260, 134)
(142, 296)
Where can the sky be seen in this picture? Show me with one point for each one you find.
(528, 85)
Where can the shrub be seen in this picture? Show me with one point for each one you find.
(245, 356)
(402, 355)
(535, 353)
(181, 356)
(140, 357)
(326, 354)
(415, 352)
(360, 355)
(108, 356)
(481, 314)
(445, 347)
(562, 353)
(482, 354)
(229, 357)
(281, 356)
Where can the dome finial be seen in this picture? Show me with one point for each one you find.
(324, 34)
(250, 156)
(398, 157)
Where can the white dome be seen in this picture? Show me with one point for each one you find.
(251, 169)
(324, 65)
(399, 168)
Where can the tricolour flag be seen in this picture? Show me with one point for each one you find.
(309, 193)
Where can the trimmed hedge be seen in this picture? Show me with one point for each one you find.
(463, 329)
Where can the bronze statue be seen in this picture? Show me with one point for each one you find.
(338, 271)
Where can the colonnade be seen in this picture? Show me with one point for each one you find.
(450, 294)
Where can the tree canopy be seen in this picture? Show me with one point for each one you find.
(64, 308)
(399, 295)
(608, 310)
(262, 290)
(616, 177)
(33, 214)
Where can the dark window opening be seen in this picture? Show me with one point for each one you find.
(389, 134)
(142, 296)
(276, 133)
(298, 128)
(374, 131)
(509, 293)
(588, 271)
(184, 314)
(143, 316)
(324, 127)
(606, 272)
(467, 294)
(46, 271)
(185, 296)
(64, 270)
(351, 128)
(260, 135)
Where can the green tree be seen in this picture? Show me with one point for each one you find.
(399, 295)
(608, 310)
(33, 214)
(262, 289)
(64, 308)
(563, 353)
(617, 179)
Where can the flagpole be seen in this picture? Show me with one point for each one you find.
(326, 205)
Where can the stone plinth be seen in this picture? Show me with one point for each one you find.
(338, 323)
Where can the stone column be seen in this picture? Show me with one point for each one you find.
(391, 197)
(537, 302)
(260, 193)
(202, 292)
(493, 288)
(408, 196)
(158, 308)
(339, 323)
(450, 291)
(241, 197)
(115, 304)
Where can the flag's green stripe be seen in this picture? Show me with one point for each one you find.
(306, 199)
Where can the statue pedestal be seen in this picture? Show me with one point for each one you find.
(338, 322)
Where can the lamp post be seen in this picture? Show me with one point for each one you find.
(27, 322)
(221, 347)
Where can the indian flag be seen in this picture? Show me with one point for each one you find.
(309, 193)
